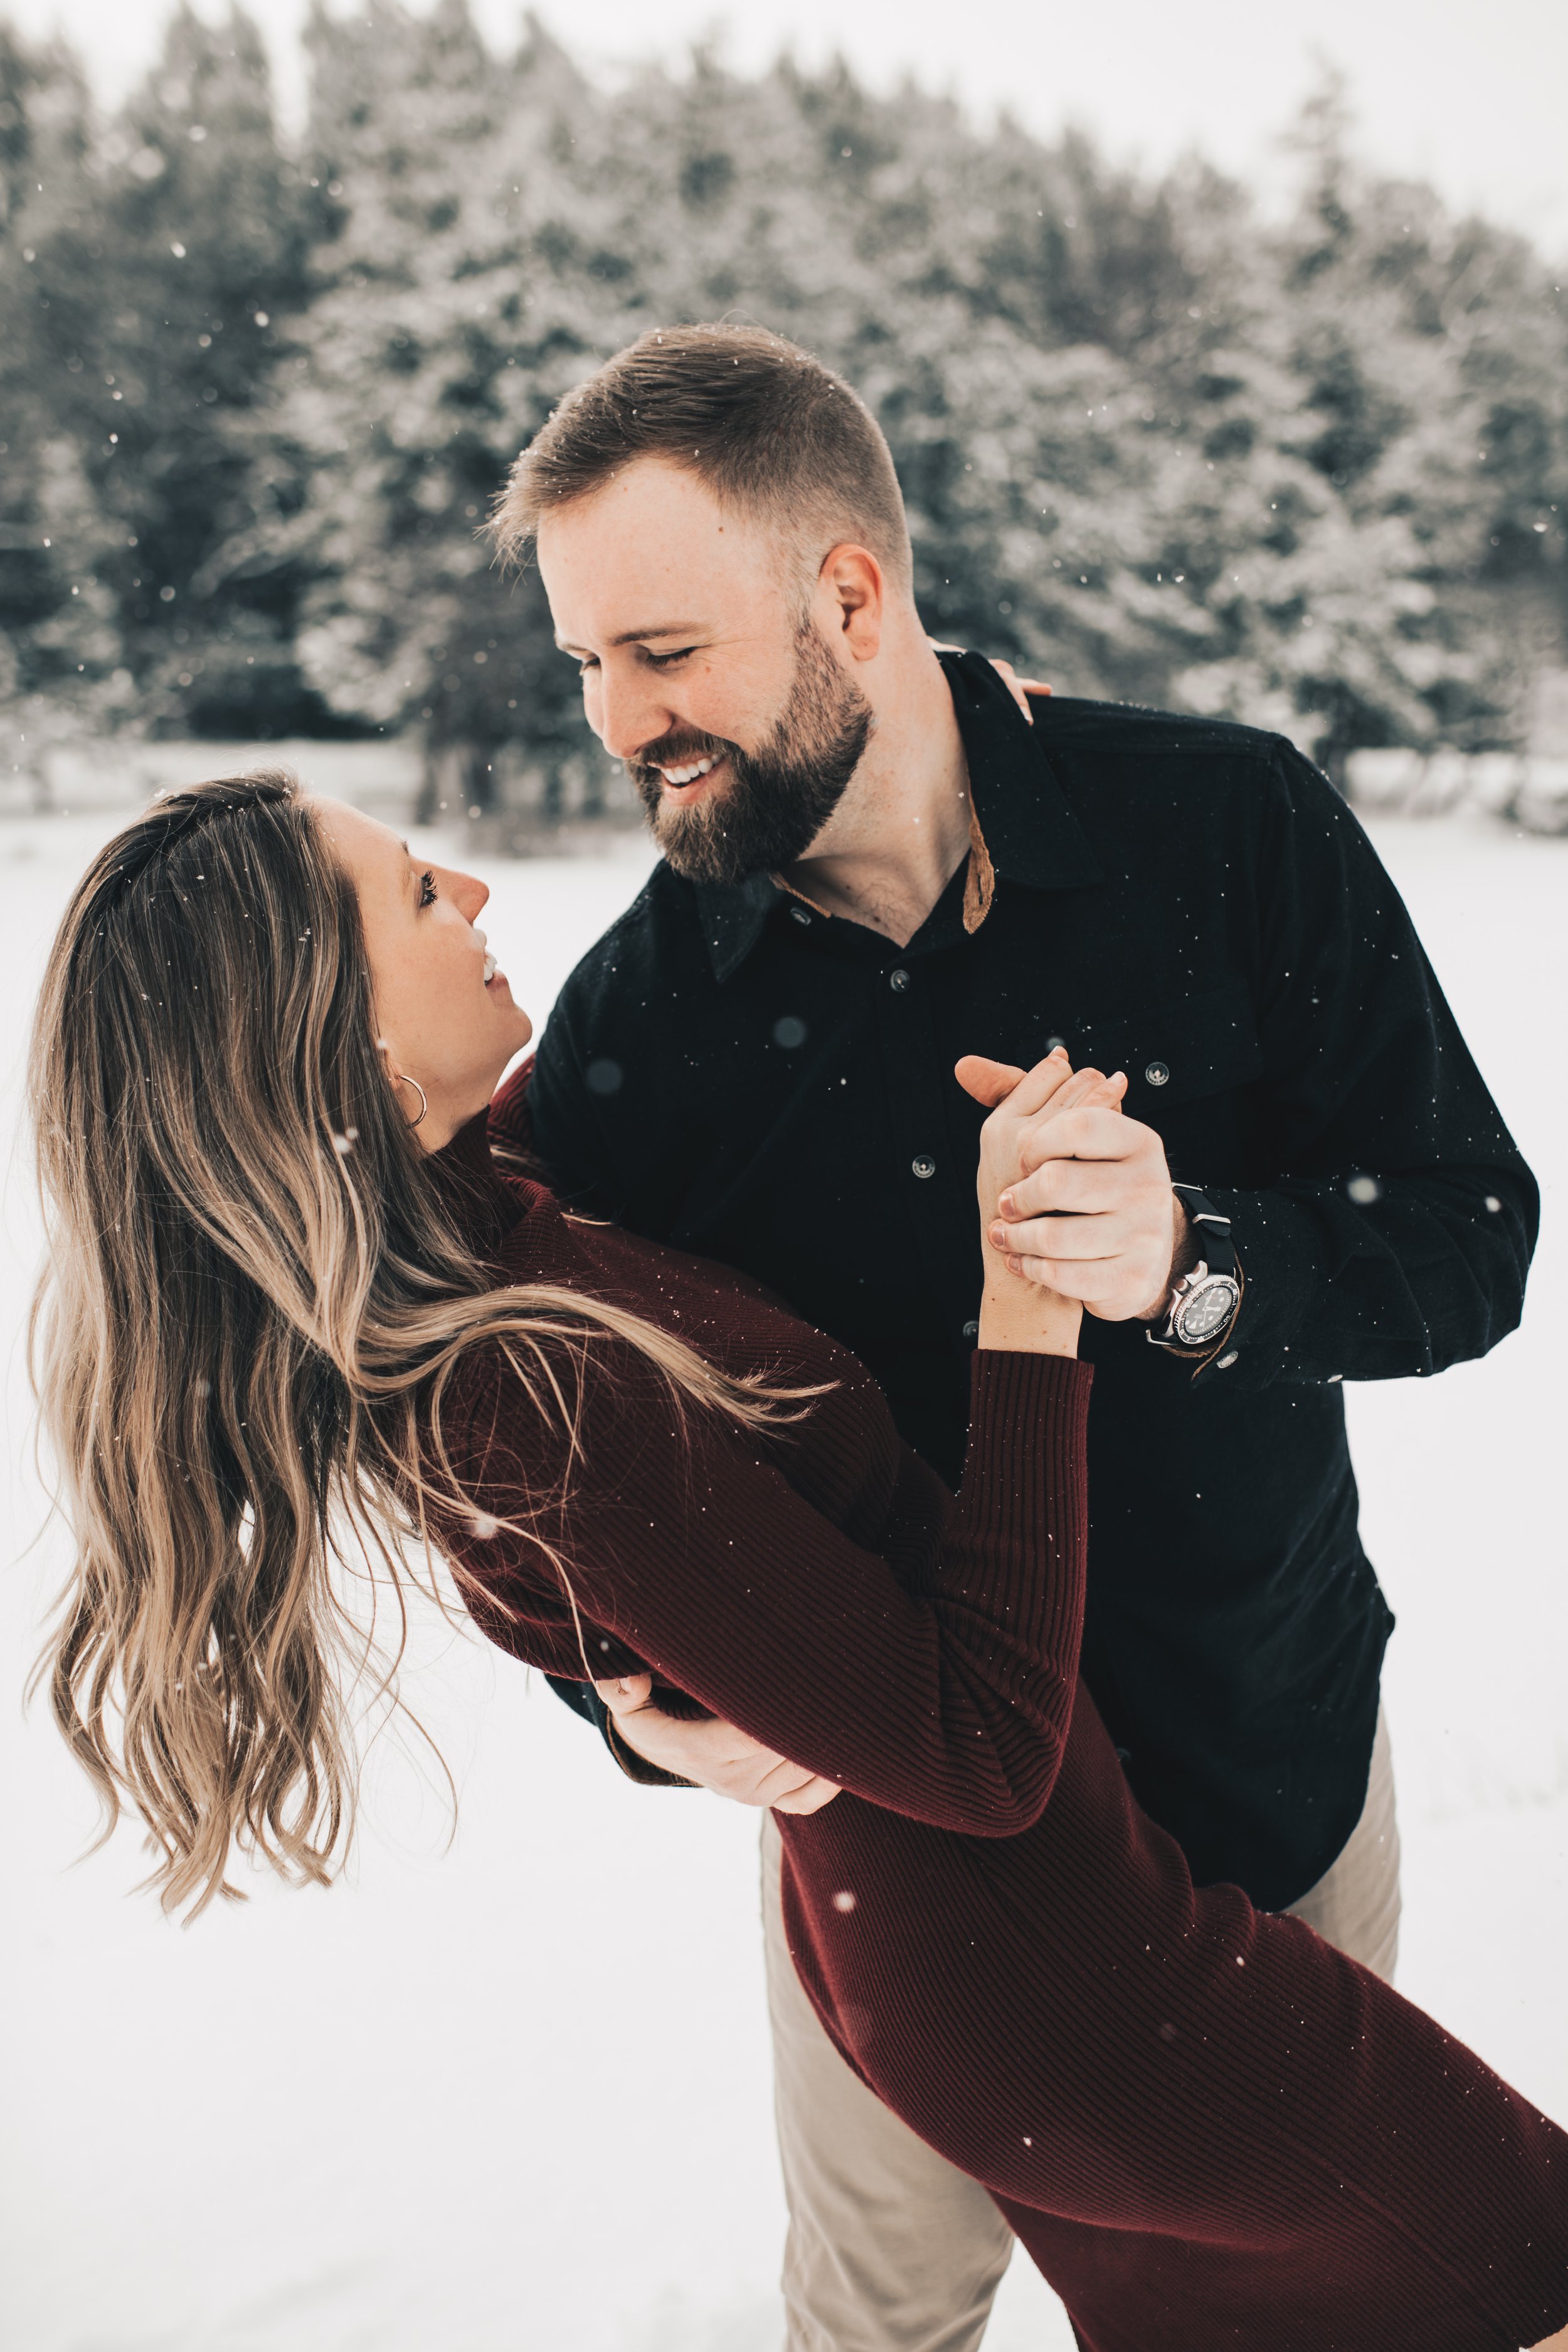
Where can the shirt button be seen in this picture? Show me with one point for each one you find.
(899, 980)
(1225, 1361)
(1156, 1074)
(801, 914)
(924, 1166)
(972, 1330)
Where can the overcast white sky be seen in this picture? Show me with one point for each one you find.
(1472, 94)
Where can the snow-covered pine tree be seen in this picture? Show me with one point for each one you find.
(1312, 475)
(60, 546)
(447, 317)
(204, 235)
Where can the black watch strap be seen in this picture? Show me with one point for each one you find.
(1212, 1227)
(1203, 1303)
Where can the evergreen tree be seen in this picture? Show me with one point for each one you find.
(206, 245)
(159, 256)
(1431, 355)
(422, 377)
(260, 409)
(61, 644)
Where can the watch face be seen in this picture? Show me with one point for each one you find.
(1210, 1305)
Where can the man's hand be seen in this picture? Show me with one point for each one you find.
(1093, 1216)
(714, 1754)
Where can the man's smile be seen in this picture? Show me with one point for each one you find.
(688, 781)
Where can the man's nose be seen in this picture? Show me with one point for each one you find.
(632, 711)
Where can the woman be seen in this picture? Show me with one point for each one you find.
(295, 1306)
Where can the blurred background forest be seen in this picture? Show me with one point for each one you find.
(257, 394)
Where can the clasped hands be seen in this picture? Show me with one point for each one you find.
(1074, 1197)
(1089, 1213)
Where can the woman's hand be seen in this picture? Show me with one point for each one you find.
(1016, 1314)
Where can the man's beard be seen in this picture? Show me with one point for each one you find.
(776, 799)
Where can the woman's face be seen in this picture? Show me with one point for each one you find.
(443, 1011)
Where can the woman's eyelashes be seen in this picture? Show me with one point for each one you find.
(427, 889)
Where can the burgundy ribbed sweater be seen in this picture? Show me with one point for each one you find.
(1207, 2126)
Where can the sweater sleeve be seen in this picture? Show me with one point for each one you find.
(950, 1703)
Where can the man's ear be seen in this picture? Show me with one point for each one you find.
(850, 594)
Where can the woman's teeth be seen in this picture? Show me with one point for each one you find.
(492, 965)
(690, 775)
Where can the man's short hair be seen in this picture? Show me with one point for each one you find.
(770, 431)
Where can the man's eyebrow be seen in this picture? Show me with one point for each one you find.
(638, 636)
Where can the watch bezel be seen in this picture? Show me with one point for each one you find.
(1202, 1284)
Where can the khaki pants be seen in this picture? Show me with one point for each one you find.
(891, 2249)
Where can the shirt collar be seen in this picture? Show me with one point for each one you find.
(1030, 833)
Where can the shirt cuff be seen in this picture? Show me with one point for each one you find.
(1277, 1265)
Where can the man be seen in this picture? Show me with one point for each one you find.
(876, 864)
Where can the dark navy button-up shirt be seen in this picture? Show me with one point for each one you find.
(1191, 902)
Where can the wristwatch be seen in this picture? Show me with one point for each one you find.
(1204, 1301)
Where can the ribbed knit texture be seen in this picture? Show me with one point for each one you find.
(1207, 2126)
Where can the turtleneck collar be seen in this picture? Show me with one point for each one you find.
(486, 1208)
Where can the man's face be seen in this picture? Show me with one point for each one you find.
(700, 670)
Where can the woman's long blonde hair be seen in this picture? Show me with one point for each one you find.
(254, 1297)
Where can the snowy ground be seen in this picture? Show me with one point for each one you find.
(514, 2096)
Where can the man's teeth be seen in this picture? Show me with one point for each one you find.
(492, 965)
(688, 775)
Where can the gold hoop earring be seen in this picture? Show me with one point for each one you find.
(405, 1080)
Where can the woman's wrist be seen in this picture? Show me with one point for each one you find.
(1019, 1317)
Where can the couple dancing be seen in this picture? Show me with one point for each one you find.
(1080, 1864)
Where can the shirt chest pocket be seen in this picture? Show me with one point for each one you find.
(1176, 1050)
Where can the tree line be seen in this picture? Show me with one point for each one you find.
(258, 393)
